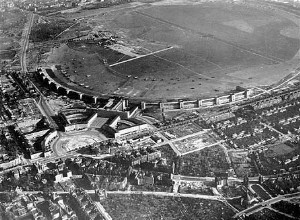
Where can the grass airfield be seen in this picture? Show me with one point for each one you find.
(176, 50)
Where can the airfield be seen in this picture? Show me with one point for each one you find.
(181, 50)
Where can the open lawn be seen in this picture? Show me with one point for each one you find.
(278, 150)
(11, 25)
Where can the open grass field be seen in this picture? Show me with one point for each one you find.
(11, 26)
(7, 50)
(84, 68)
(278, 150)
(195, 50)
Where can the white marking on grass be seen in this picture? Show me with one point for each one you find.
(131, 91)
(66, 29)
(137, 92)
(138, 57)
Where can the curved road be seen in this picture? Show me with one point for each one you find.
(266, 203)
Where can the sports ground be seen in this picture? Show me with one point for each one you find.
(190, 50)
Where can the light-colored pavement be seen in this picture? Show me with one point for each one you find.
(66, 29)
(104, 11)
(282, 213)
(226, 154)
(103, 211)
(266, 203)
(267, 194)
(24, 43)
(200, 179)
(272, 129)
(42, 105)
(138, 193)
(177, 152)
(46, 111)
(203, 147)
(172, 141)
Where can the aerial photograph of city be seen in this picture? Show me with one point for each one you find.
(150, 109)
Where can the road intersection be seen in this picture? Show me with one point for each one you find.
(267, 204)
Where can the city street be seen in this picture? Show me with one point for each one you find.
(267, 204)
(24, 42)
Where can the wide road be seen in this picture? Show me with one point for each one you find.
(45, 110)
(197, 196)
(43, 106)
(266, 204)
(25, 39)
